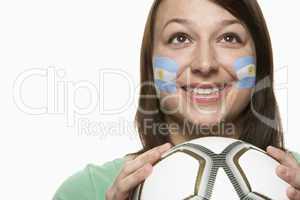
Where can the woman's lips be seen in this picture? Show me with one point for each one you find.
(207, 99)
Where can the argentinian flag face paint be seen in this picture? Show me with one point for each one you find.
(245, 69)
(165, 72)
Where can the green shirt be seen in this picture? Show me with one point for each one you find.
(92, 182)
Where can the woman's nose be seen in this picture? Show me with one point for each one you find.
(204, 62)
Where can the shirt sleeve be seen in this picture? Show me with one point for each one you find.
(91, 183)
(296, 156)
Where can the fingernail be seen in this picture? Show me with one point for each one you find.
(271, 148)
(292, 191)
(164, 147)
(167, 145)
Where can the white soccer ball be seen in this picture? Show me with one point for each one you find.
(213, 168)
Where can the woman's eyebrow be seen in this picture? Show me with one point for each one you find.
(177, 20)
(226, 22)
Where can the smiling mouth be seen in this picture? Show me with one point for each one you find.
(206, 93)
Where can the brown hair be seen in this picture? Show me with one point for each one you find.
(251, 129)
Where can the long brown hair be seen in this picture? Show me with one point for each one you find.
(251, 129)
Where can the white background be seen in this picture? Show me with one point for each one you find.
(79, 38)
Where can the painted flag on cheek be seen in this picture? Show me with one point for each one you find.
(165, 72)
(245, 69)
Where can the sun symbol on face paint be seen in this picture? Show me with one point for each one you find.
(251, 70)
(160, 74)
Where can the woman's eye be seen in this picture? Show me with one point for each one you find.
(231, 38)
(180, 38)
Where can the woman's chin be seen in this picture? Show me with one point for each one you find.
(208, 119)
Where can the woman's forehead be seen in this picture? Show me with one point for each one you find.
(199, 12)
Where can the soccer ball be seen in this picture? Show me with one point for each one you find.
(213, 168)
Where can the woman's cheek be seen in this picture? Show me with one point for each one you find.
(226, 57)
(244, 72)
(237, 100)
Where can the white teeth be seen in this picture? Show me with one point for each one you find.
(207, 91)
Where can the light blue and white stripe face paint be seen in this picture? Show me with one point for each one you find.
(165, 72)
(245, 69)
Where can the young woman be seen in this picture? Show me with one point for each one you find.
(204, 64)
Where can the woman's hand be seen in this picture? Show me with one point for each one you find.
(288, 170)
(134, 172)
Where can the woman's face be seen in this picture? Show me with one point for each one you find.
(206, 42)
